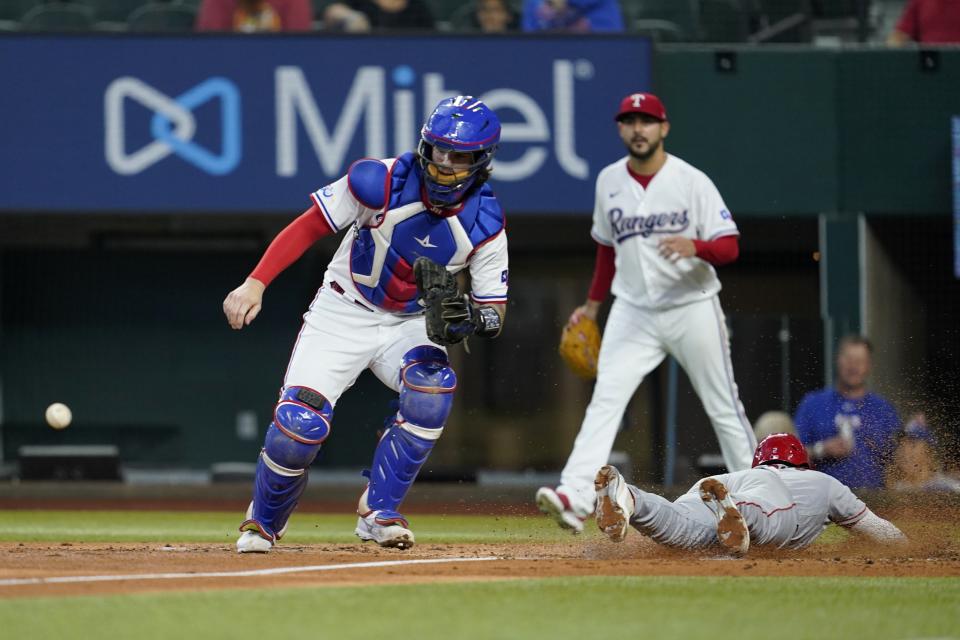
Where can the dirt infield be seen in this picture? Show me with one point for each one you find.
(582, 556)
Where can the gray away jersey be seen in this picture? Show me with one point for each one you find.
(803, 500)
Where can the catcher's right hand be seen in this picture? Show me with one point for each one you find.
(580, 346)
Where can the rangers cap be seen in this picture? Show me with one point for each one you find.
(642, 103)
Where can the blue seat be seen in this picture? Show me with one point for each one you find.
(724, 21)
(58, 16)
(111, 15)
(663, 20)
(784, 21)
(162, 18)
(13, 10)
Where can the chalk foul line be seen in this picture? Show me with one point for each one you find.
(16, 582)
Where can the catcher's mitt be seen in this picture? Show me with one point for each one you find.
(580, 346)
(436, 286)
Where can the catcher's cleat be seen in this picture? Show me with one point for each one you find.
(386, 528)
(558, 505)
(253, 542)
(614, 503)
(731, 529)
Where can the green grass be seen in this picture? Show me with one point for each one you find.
(638, 607)
(189, 526)
(631, 607)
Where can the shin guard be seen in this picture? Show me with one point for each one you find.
(426, 397)
(301, 422)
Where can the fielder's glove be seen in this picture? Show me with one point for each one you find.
(580, 347)
(449, 314)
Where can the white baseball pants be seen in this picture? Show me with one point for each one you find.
(635, 341)
(340, 338)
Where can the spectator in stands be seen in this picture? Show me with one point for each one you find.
(493, 16)
(572, 15)
(250, 16)
(360, 16)
(927, 22)
(915, 466)
(849, 431)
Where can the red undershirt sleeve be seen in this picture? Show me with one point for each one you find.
(721, 251)
(291, 243)
(603, 272)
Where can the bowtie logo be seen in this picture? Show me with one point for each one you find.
(172, 126)
(425, 242)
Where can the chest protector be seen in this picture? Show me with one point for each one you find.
(385, 248)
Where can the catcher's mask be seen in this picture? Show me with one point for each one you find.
(462, 124)
(780, 448)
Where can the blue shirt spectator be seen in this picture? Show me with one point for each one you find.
(850, 433)
(572, 15)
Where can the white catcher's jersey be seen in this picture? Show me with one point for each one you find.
(680, 201)
(487, 262)
(803, 500)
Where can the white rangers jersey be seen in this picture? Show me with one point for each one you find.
(680, 201)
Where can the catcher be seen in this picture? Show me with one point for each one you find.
(779, 502)
(383, 306)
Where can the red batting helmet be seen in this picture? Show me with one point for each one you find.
(780, 447)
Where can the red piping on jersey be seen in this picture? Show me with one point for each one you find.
(474, 250)
(849, 522)
(754, 504)
(324, 212)
(477, 246)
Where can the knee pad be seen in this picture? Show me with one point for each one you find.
(301, 422)
(427, 384)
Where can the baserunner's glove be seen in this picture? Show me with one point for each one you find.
(450, 316)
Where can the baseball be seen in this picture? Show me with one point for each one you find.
(59, 415)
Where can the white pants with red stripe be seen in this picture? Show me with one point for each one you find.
(763, 500)
(635, 341)
(340, 338)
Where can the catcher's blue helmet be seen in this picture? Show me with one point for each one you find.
(463, 124)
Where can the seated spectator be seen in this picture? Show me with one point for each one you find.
(250, 16)
(927, 22)
(915, 466)
(572, 15)
(773, 422)
(493, 16)
(360, 16)
(849, 431)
